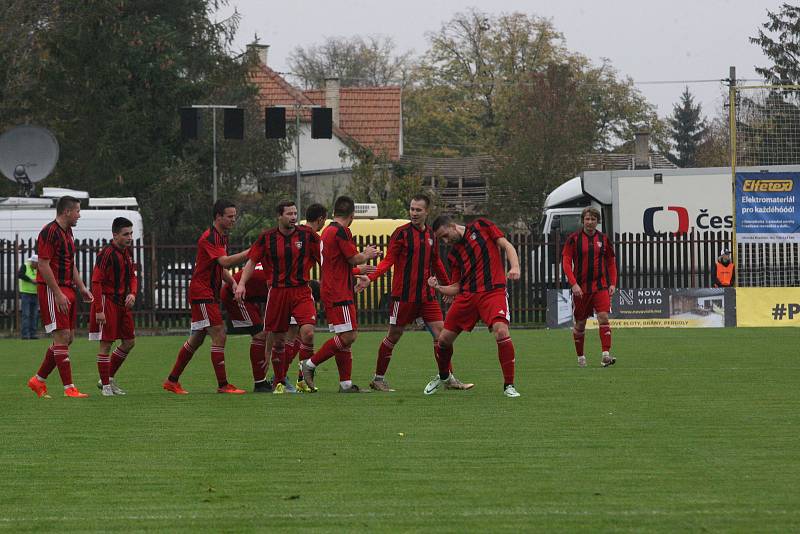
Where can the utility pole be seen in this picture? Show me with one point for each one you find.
(214, 108)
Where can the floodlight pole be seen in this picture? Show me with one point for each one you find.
(297, 196)
(214, 108)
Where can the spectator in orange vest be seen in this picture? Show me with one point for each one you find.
(722, 272)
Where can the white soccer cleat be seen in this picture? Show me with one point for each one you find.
(607, 360)
(433, 386)
(107, 391)
(581, 361)
(510, 391)
(115, 388)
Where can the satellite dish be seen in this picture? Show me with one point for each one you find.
(28, 154)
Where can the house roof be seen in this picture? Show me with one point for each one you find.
(470, 168)
(370, 116)
(622, 162)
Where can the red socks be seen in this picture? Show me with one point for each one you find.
(61, 357)
(117, 359)
(103, 367)
(384, 357)
(605, 337)
(327, 351)
(48, 364)
(344, 361)
(218, 361)
(505, 353)
(443, 357)
(578, 338)
(184, 356)
(278, 363)
(258, 359)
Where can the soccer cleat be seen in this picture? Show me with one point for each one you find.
(380, 385)
(279, 389)
(231, 389)
(455, 383)
(581, 361)
(74, 393)
(106, 391)
(308, 374)
(608, 360)
(433, 386)
(114, 387)
(38, 387)
(262, 387)
(302, 387)
(510, 391)
(174, 387)
(352, 389)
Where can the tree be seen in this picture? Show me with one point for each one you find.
(356, 61)
(548, 138)
(108, 76)
(687, 130)
(783, 51)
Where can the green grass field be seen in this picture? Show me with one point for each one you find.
(692, 430)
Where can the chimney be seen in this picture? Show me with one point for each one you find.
(259, 52)
(642, 149)
(332, 98)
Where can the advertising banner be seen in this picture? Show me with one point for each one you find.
(767, 207)
(768, 306)
(654, 307)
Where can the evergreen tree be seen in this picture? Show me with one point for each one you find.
(783, 51)
(687, 129)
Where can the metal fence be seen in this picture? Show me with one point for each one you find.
(165, 270)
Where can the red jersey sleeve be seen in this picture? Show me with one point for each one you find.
(46, 243)
(98, 277)
(567, 255)
(258, 252)
(455, 268)
(346, 246)
(611, 262)
(396, 247)
(213, 251)
(438, 266)
(490, 229)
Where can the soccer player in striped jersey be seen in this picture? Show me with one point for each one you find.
(210, 268)
(414, 252)
(57, 279)
(289, 251)
(249, 314)
(479, 287)
(339, 256)
(114, 286)
(590, 265)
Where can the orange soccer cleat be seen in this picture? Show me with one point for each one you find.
(38, 387)
(175, 387)
(230, 388)
(74, 393)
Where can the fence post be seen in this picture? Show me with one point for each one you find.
(17, 304)
(151, 283)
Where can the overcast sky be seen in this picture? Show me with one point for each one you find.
(648, 40)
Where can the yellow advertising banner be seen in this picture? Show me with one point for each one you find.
(768, 306)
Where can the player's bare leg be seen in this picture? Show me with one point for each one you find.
(605, 339)
(578, 336)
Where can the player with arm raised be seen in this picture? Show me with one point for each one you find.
(114, 286)
(339, 255)
(414, 252)
(210, 268)
(590, 265)
(56, 280)
(290, 251)
(479, 287)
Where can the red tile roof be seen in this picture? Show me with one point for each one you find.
(371, 116)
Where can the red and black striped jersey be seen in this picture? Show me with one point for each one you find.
(57, 245)
(289, 257)
(475, 261)
(589, 261)
(415, 256)
(207, 276)
(336, 281)
(114, 276)
(256, 288)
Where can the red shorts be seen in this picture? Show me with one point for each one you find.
(118, 325)
(205, 314)
(341, 318)
(488, 306)
(403, 313)
(52, 317)
(585, 306)
(242, 315)
(285, 303)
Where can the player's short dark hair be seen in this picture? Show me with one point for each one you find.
(120, 223)
(282, 205)
(424, 198)
(66, 203)
(441, 220)
(220, 206)
(315, 211)
(344, 207)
